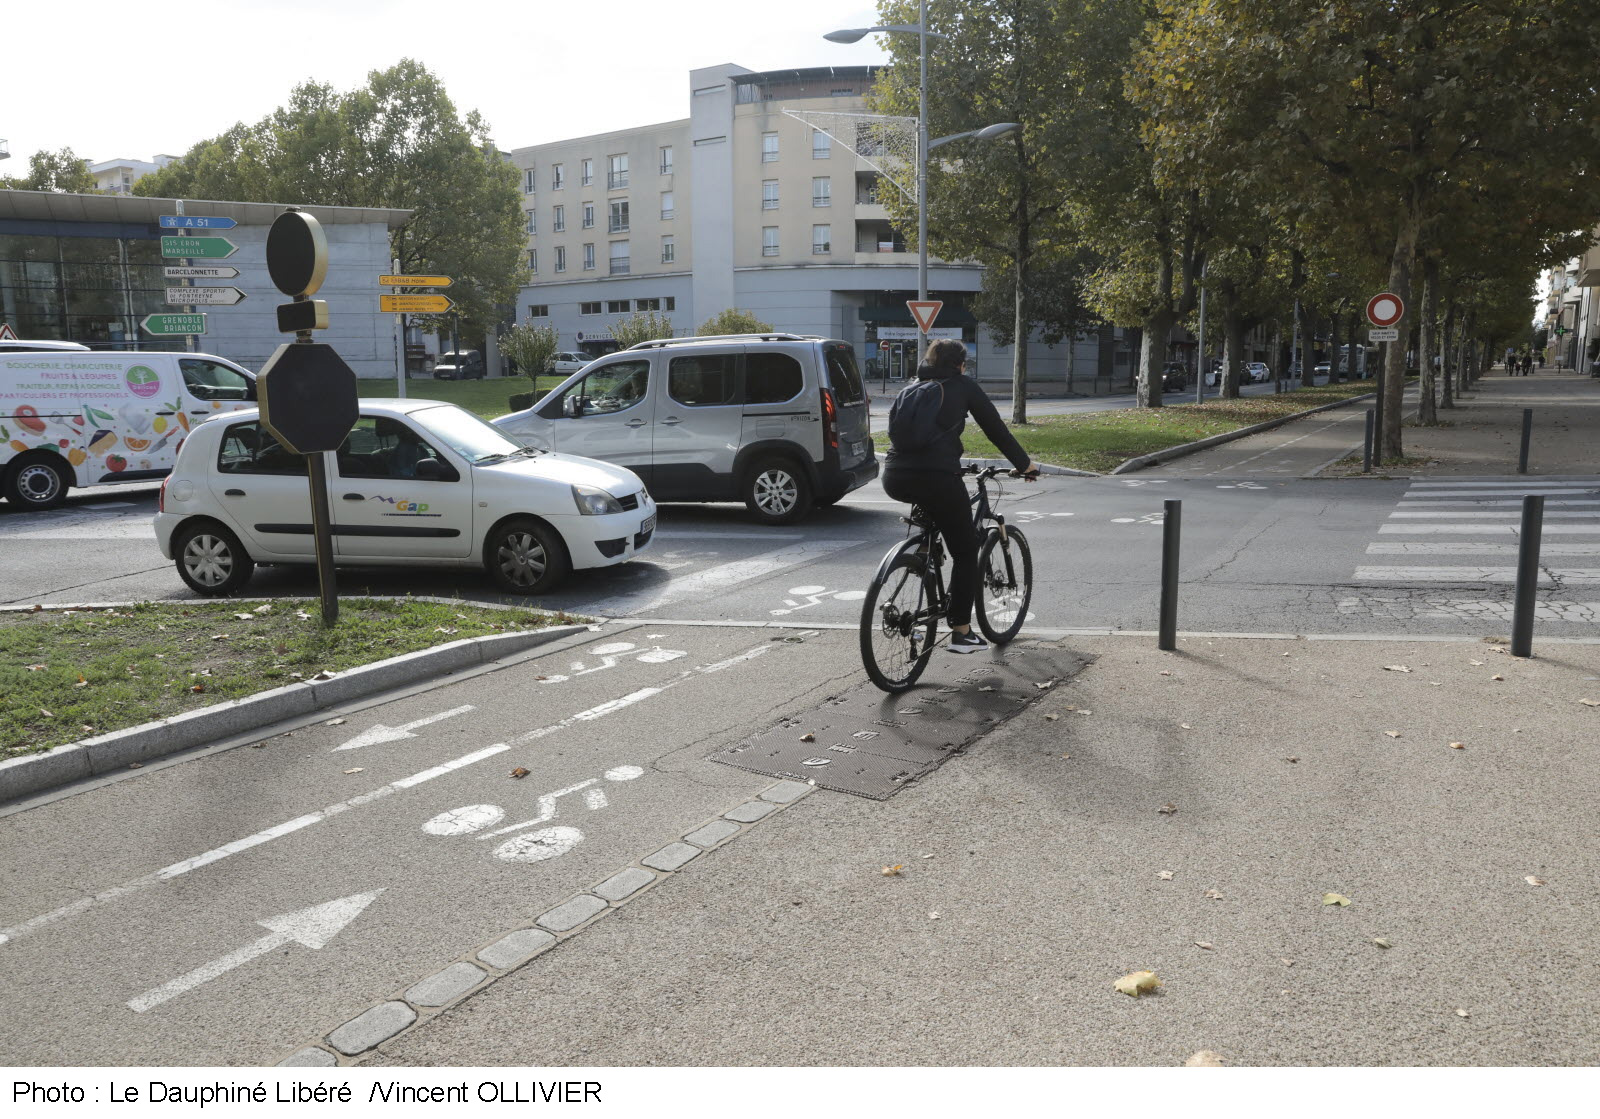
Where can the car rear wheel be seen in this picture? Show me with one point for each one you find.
(525, 556)
(211, 559)
(777, 492)
(36, 483)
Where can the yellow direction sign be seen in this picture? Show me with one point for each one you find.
(414, 304)
(415, 281)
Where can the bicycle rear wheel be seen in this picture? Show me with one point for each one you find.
(1005, 584)
(897, 626)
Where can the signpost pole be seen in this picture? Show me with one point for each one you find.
(400, 325)
(1383, 360)
(188, 339)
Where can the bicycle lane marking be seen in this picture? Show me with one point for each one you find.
(289, 827)
(715, 580)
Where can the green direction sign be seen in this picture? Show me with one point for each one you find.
(210, 248)
(174, 323)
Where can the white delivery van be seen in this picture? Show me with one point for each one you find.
(99, 417)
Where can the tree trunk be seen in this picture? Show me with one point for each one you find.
(1427, 343)
(1275, 347)
(1393, 383)
(1450, 353)
(1156, 329)
(1308, 346)
(1019, 342)
(1232, 350)
(1333, 348)
(1355, 334)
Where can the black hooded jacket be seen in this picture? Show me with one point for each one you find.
(962, 398)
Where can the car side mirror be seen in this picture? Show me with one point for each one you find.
(430, 470)
(572, 406)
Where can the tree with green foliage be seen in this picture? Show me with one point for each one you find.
(60, 172)
(530, 348)
(641, 326)
(397, 142)
(734, 321)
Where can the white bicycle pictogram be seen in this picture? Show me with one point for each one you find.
(535, 846)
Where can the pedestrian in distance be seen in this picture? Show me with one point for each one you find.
(923, 467)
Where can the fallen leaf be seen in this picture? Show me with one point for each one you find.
(1186, 726)
(934, 916)
(1533, 881)
(245, 617)
(219, 637)
(264, 608)
(1392, 733)
(893, 871)
(1048, 684)
(323, 675)
(302, 615)
(1164, 875)
(1497, 677)
(334, 723)
(1395, 668)
(519, 773)
(198, 688)
(1164, 672)
(136, 765)
(1052, 718)
(1204, 1059)
(445, 629)
(927, 856)
(1167, 809)
(1335, 899)
(1285, 961)
(1590, 702)
(82, 683)
(1135, 983)
(42, 667)
(1214, 895)
(1463, 1013)
(1206, 944)
(281, 649)
(986, 688)
(357, 769)
(808, 737)
(1382, 942)
(1085, 711)
(1066, 757)
(1458, 745)
(1291, 759)
(1475, 662)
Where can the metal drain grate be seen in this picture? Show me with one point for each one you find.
(870, 744)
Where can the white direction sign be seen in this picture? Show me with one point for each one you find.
(380, 734)
(199, 272)
(312, 927)
(205, 297)
(909, 333)
(1385, 334)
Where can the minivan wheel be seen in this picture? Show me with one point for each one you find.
(36, 483)
(777, 492)
(525, 556)
(211, 559)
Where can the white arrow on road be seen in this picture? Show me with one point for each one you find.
(313, 927)
(381, 734)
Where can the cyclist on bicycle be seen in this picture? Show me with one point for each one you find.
(930, 477)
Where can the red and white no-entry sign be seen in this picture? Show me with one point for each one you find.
(925, 311)
(1385, 309)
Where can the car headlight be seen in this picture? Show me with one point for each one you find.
(593, 502)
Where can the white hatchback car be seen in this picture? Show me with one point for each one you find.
(416, 482)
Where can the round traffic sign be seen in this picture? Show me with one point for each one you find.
(297, 253)
(1385, 309)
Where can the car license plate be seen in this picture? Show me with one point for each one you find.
(649, 524)
(859, 448)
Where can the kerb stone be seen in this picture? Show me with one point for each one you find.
(372, 1028)
(445, 986)
(571, 913)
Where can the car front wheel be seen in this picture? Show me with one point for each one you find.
(211, 559)
(525, 556)
(777, 492)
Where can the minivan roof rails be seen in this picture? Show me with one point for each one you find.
(770, 337)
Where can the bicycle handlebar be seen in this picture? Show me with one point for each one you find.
(987, 472)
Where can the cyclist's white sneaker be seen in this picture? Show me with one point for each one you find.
(968, 642)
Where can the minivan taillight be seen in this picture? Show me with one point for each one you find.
(830, 420)
(161, 498)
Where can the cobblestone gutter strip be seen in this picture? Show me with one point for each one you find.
(353, 1042)
(35, 773)
(1157, 457)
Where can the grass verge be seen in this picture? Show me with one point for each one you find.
(1099, 441)
(71, 674)
(488, 397)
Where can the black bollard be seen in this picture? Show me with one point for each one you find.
(1527, 576)
(1527, 436)
(1366, 454)
(1172, 524)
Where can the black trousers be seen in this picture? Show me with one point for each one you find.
(945, 499)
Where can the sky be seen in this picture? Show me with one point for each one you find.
(116, 80)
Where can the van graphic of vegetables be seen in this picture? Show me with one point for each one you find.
(143, 381)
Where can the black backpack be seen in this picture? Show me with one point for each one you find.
(914, 417)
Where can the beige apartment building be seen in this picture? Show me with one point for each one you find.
(740, 205)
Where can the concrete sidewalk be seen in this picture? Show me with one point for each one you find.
(1041, 866)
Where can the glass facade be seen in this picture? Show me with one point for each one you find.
(87, 282)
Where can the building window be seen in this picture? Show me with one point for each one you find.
(616, 306)
(589, 308)
(616, 171)
(527, 181)
(647, 304)
(588, 257)
(558, 176)
(533, 223)
(619, 217)
(822, 192)
(769, 194)
(539, 310)
(769, 147)
(559, 220)
(619, 258)
(669, 250)
(821, 145)
(769, 240)
(667, 209)
(670, 303)
(588, 215)
(561, 258)
(533, 260)
(666, 160)
(822, 239)
(586, 171)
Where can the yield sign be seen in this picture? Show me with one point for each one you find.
(1385, 309)
(6, 333)
(924, 311)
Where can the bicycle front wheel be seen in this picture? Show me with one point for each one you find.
(1005, 584)
(897, 625)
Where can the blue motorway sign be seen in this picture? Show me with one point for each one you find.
(184, 221)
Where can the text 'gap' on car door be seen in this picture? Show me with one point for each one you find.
(699, 420)
(608, 415)
(387, 504)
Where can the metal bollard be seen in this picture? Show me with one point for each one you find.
(1527, 436)
(1366, 454)
(1172, 524)
(1527, 576)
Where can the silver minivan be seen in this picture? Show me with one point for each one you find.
(778, 421)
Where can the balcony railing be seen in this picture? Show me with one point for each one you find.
(619, 267)
(616, 180)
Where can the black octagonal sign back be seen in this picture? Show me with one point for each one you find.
(308, 397)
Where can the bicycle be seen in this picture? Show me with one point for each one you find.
(907, 596)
